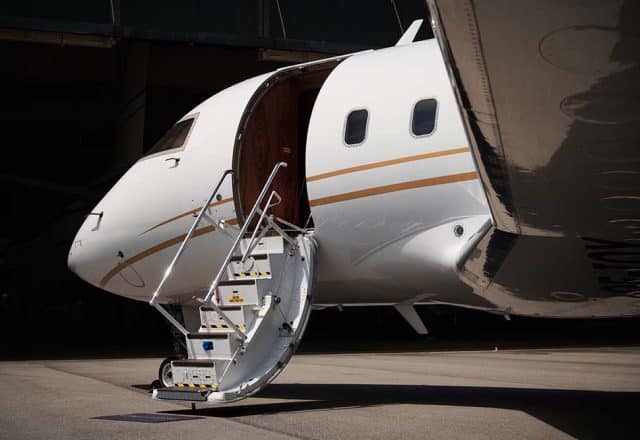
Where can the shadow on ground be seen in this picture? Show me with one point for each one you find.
(581, 414)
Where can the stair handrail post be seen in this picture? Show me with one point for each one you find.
(243, 230)
(167, 273)
(265, 229)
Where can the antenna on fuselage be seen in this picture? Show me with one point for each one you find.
(410, 34)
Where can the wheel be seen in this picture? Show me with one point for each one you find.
(165, 376)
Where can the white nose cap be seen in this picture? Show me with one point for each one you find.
(84, 260)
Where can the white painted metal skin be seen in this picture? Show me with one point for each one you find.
(155, 190)
(395, 246)
(400, 245)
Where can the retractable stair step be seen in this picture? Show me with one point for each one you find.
(254, 314)
(182, 394)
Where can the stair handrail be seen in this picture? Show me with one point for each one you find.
(296, 228)
(205, 207)
(263, 212)
(243, 231)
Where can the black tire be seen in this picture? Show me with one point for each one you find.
(164, 372)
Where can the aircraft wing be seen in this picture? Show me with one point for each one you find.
(550, 94)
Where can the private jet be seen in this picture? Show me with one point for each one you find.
(381, 177)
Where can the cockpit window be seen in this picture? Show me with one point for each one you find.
(174, 138)
(424, 117)
(356, 128)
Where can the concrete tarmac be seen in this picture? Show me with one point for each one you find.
(560, 393)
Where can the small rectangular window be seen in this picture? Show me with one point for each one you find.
(424, 117)
(356, 128)
(174, 138)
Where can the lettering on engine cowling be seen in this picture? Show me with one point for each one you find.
(617, 265)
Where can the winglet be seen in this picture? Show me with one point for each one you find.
(410, 33)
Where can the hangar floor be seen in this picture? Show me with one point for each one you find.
(560, 393)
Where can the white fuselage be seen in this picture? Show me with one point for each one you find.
(387, 212)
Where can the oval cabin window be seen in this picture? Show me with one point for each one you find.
(356, 127)
(424, 117)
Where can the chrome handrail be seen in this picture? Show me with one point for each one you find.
(243, 230)
(156, 294)
(268, 206)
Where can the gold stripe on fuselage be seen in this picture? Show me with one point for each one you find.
(152, 250)
(184, 214)
(386, 163)
(431, 181)
(365, 167)
(316, 202)
(157, 248)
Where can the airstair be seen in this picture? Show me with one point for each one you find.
(254, 313)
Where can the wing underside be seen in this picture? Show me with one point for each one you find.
(550, 92)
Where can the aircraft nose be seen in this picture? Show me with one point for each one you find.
(84, 260)
(89, 255)
(73, 261)
(96, 255)
(89, 251)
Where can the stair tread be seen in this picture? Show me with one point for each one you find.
(218, 331)
(221, 307)
(236, 282)
(255, 257)
(184, 393)
(187, 389)
(193, 363)
(213, 330)
(194, 387)
(210, 335)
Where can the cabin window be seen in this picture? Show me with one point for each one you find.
(424, 117)
(356, 127)
(174, 138)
